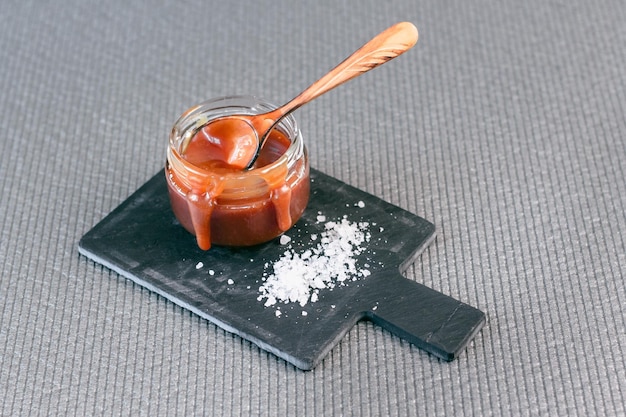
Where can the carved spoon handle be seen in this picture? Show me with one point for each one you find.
(385, 46)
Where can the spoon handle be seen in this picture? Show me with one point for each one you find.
(385, 46)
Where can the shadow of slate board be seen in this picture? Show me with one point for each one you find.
(142, 241)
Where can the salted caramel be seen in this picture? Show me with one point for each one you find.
(220, 202)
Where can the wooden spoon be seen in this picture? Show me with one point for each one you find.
(241, 137)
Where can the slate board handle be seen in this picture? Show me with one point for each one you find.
(430, 320)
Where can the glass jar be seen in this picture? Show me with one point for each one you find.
(238, 207)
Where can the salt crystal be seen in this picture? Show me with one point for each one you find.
(278, 313)
(361, 204)
(304, 313)
(298, 277)
(199, 265)
(211, 272)
(230, 282)
(271, 300)
(284, 239)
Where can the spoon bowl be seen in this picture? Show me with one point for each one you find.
(230, 141)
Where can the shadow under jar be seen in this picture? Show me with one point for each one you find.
(234, 207)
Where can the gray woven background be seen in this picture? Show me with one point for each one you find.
(505, 126)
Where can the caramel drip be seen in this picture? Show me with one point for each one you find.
(200, 209)
(281, 198)
(201, 204)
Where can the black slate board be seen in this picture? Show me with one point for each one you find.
(141, 240)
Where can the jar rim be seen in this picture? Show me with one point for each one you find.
(191, 120)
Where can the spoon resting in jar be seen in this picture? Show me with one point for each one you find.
(234, 141)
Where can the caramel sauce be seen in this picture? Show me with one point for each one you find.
(219, 202)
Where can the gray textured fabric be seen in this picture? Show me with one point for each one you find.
(505, 126)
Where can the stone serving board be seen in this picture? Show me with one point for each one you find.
(142, 241)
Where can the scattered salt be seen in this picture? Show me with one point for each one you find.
(230, 282)
(211, 272)
(299, 277)
(321, 218)
(304, 313)
(360, 204)
(278, 313)
(284, 239)
(199, 265)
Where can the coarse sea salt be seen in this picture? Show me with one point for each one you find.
(299, 276)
